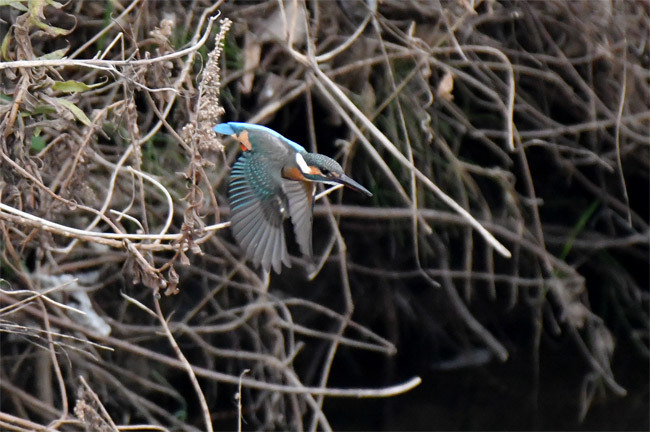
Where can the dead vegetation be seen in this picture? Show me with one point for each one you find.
(506, 145)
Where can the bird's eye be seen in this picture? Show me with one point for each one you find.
(324, 171)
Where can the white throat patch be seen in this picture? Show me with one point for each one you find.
(302, 164)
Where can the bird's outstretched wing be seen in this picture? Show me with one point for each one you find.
(257, 211)
(300, 198)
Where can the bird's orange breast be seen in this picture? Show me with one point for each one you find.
(293, 173)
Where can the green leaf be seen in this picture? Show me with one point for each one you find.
(70, 86)
(40, 109)
(55, 55)
(51, 30)
(36, 8)
(38, 143)
(54, 4)
(75, 110)
(16, 4)
(5, 45)
(74, 86)
(36, 12)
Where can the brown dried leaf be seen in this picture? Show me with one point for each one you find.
(446, 87)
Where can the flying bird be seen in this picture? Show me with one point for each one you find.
(275, 178)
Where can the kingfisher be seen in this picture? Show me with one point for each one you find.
(273, 179)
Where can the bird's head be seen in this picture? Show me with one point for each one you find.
(322, 169)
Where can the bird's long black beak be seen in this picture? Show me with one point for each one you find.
(347, 181)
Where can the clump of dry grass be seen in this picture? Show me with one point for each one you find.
(523, 123)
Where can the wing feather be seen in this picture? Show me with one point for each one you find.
(257, 212)
(300, 199)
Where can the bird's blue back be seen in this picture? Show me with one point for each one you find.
(231, 128)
